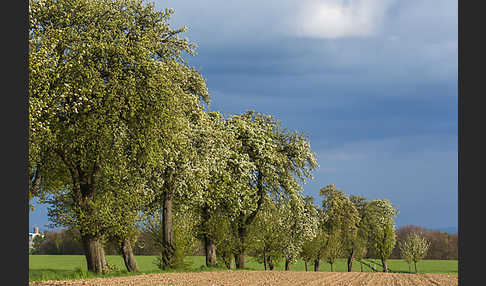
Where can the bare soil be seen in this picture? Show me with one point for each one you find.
(260, 278)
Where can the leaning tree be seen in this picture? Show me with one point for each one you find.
(340, 223)
(357, 247)
(380, 227)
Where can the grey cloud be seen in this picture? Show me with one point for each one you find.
(417, 39)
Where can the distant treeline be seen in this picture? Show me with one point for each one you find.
(68, 241)
(443, 245)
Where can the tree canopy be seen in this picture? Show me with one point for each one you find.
(107, 91)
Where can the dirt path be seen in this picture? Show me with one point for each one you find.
(261, 278)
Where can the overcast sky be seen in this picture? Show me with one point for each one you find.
(373, 83)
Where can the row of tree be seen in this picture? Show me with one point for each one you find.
(119, 133)
(284, 230)
(67, 241)
(120, 136)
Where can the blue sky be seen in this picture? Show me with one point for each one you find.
(373, 83)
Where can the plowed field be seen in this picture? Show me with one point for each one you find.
(280, 278)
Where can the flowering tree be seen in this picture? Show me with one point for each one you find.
(414, 248)
(107, 87)
(299, 223)
(224, 177)
(380, 227)
(282, 160)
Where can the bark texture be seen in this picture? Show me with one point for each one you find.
(209, 245)
(168, 249)
(128, 256)
(240, 260)
(210, 250)
(95, 255)
(240, 255)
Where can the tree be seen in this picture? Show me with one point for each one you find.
(280, 230)
(106, 78)
(319, 244)
(66, 241)
(224, 177)
(225, 241)
(341, 223)
(401, 234)
(310, 246)
(357, 246)
(442, 245)
(282, 159)
(265, 235)
(119, 204)
(380, 226)
(185, 242)
(334, 248)
(308, 252)
(299, 224)
(414, 248)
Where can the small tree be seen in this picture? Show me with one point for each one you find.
(334, 249)
(309, 251)
(414, 248)
(266, 236)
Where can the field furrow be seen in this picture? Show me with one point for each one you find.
(260, 278)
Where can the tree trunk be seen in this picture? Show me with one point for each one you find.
(128, 257)
(350, 260)
(361, 266)
(264, 259)
(287, 264)
(210, 248)
(305, 263)
(84, 188)
(385, 266)
(317, 264)
(332, 269)
(209, 245)
(415, 263)
(240, 255)
(409, 268)
(240, 260)
(168, 249)
(227, 261)
(270, 263)
(95, 255)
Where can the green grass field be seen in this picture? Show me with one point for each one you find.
(62, 267)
